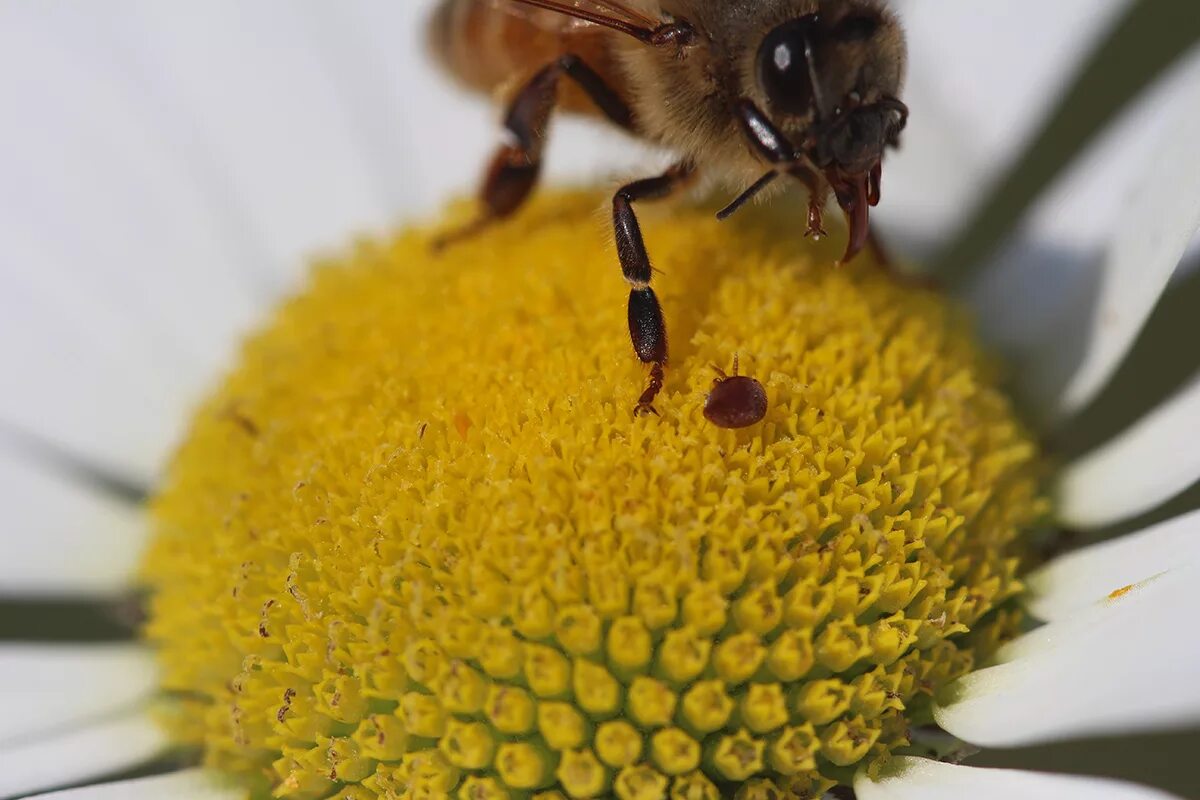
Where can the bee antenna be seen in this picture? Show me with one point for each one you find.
(748, 195)
(811, 61)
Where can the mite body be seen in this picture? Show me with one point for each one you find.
(735, 401)
(749, 91)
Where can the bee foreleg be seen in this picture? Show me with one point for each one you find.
(514, 171)
(647, 328)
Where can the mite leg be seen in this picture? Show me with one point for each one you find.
(647, 328)
(517, 165)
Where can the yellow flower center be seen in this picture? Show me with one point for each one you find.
(417, 545)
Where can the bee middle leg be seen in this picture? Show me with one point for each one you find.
(515, 169)
(647, 328)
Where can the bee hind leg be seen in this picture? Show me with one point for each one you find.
(647, 327)
(514, 171)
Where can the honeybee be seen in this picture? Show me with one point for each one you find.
(749, 91)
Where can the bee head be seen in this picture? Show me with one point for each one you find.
(835, 74)
(830, 78)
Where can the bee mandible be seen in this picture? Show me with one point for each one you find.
(748, 91)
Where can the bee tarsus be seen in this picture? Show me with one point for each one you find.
(647, 328)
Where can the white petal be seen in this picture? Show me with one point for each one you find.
(192, 784)
(93, 171)
(974, 104)
(62, 537)
(1074, 581)
(1090, 263)
(121, 287)
(1126, 665)
(250, 87)
(1000, 100)
(1148, 464)
(911, 778)
(90, 751)
(1163, 214)
(46, 689)
(80, 375)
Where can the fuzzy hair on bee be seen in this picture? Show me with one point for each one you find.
(749, 92)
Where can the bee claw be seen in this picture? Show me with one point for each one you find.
(645, 410)
(816, 228)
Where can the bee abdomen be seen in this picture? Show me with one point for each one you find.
(492, 49)
(443, 27)
(486, 47)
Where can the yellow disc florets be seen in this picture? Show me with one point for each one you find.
(418, 545)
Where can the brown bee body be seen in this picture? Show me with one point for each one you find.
(489, 49)
(749, 91)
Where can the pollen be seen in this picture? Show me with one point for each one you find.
(418, 545)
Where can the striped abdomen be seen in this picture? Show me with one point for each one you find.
(490, 49)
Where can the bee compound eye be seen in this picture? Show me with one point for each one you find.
(784, 65)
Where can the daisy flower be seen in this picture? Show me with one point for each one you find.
(405, 540)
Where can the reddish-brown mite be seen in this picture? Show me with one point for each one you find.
(736, 401)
